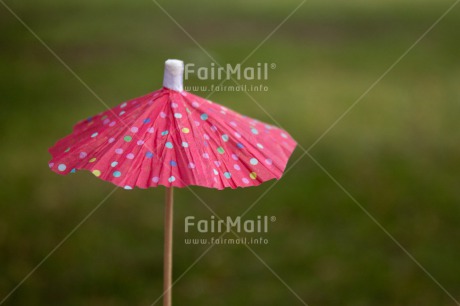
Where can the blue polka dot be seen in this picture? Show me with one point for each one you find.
(149, 154)
(62, 167)
(164, 133)
(227, 175)
(225, 137)
(254, 161)
(239, 145)
(173, 163)
(169, 145)
(171, 179)
(204, 116)
(128, 187)
(147, 120)
(254, 131)
(73, 170)
(117, 174)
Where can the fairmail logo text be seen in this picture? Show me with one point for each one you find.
(227, 72)
(228, 224)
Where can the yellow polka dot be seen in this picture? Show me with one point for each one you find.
(96, 172)
(92, 160)
(185, 130)
(253, 175)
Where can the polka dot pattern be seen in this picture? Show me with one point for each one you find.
(174, 139)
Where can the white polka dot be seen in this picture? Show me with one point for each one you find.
(206, 136)
(134, 129)
(119, 151)
(185, 144)
(51, 165)
(260, 146)
(253, 161)
(112, 123)
(151, 130)
(128, 187)
(215, 172)
(123, 105)
(205, 155)
(268, 161)
(245, 180)
(233, 123)
(237, 167)
(83, 155)
(130, 156)
(195, 104)
(94, 135)
(191, 165)
(163, 115)
(106, 121)
(237, 135)
(114, 164)
(155, 179)
(174, 105)
(140, 142)
(217, 163)
(171, 179)
(111, 140)
(284, 135)
(177, 115)
(62, 167)
(122, 113)
(235, 157)
(213, 128)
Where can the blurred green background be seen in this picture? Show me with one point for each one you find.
(396, 152)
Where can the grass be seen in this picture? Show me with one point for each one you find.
(396, 152)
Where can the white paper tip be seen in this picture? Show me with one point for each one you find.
(174, 74)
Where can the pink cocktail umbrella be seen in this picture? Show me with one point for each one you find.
(176, 139)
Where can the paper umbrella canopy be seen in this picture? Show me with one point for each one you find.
(173, 138)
